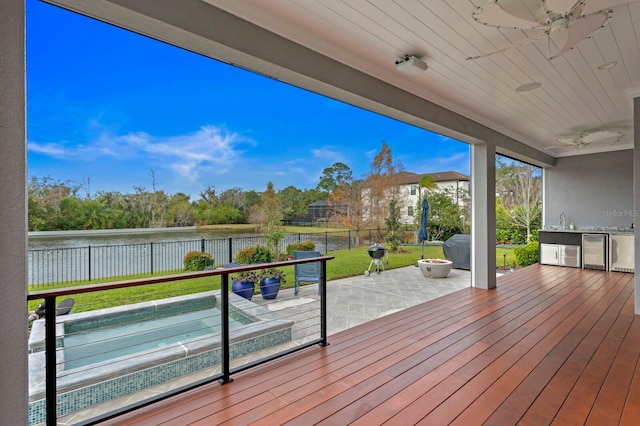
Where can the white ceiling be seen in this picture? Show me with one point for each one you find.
(575, 96)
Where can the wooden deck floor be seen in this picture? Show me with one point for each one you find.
(550, 345)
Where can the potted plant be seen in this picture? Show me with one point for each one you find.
(243, 283)
(270, 283)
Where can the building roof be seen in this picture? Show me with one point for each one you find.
(407, 178)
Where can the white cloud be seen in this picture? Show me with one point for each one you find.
(328, 154)
(51, 149)
(439, 163)
(209, 148)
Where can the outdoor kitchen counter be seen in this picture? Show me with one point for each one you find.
(574, 236)
(612, 230)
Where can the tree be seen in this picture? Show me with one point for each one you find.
(332, 177)
(46, 198)
(180, 210)
(272, 215)
(427, 182)
(347, 203)
(382, 185)
(256, 216)
(520, 189)
(444, 214)
(291, 198)
(209, 195)
(393, 226)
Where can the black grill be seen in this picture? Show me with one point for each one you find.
(376, 251)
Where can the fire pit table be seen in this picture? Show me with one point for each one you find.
(435, 268)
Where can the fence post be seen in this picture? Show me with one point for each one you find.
(349, 238)
(89, 263)
(230, 249)
(326, 242)
(299, 236)
(151, 257)
(202, 245)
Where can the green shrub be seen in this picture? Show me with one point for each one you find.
(197, 261)
(527, 255)
(503, 236)
(301, 246)
(256, 254)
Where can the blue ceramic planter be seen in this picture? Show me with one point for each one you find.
(243, 288)
(269, 287)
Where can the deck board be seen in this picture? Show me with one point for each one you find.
(548, 345)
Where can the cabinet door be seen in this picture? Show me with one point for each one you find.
(549, 254)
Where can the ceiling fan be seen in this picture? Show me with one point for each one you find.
(588, 137)
(565, 22)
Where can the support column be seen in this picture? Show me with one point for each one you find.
(636, 201)
(483, 215)
(13, 236)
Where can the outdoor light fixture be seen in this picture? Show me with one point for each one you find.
(411, 65)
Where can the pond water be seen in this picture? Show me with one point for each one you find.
(59, 257)
(72, 239)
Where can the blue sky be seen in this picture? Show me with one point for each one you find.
(109, 106)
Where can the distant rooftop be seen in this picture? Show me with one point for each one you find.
(407, 178)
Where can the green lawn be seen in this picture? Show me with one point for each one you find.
(347, 263)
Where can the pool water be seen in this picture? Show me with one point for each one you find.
(108, 343)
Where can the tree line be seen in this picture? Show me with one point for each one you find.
(370, 201)
(61, 205)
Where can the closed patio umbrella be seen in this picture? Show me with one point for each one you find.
(423, 234)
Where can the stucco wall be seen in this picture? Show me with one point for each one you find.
(592, 190)
(13, 250)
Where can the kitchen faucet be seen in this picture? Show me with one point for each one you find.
(563, 221)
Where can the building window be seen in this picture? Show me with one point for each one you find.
(413, 189)
(410, 210)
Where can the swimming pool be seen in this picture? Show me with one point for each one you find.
(109, 353)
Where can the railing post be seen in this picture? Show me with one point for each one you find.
(224, 348)
(151, 257)
(323, 303)
(89, 263)
(50, 361)
(230, 249)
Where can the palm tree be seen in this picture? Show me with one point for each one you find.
(427, 182)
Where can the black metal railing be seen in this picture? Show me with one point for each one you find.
(225, 376)
(100, 262)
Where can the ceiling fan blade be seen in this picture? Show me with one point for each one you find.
(510, 46)
(584, 28)
(592, 6)
(495, 15)
(561, 7)
(569, 141)
(601, 136)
